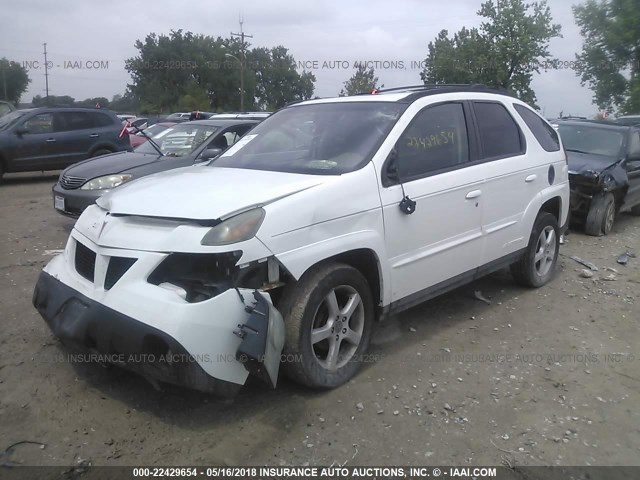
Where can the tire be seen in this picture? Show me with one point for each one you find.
(536, 266)
(101, 151)
(308, 305)
(1, 171)
(635, 211)
(601, 216)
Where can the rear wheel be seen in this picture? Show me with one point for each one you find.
(601, 216)
(535, 268)
(101, 151)
(328, 319)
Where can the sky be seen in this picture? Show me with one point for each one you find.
(88, 41)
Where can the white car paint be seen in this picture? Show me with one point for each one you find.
(464, 218)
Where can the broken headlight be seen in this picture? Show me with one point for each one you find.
(236, 229)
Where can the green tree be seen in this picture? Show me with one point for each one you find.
(361, 81)
(14, 80)
(610, 58)
(53, 101)
(92, 102)
(124, 103)
(277, 82)
(169, 67)
(509, 47)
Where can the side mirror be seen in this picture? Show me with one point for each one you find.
(21, 131)
(209, 154)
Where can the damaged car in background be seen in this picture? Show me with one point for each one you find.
(604, 172)
(327, 216)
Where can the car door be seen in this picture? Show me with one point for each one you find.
(515, 174)
(75, 136)
(441, 241)
(632, 165)
(36, 145)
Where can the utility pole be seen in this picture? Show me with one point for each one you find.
(46, 74)
(242, 36)
(4, 80)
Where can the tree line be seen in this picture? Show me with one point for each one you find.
(186, 71)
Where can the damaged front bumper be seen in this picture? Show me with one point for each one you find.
(210, 345)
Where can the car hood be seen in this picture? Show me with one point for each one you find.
(585, 162)
(205, 193)
(111, 163)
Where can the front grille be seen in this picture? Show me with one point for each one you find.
(118, 266)
(85, 261)
(68, 182)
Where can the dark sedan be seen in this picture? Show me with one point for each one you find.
(178, 146)
(604, 172)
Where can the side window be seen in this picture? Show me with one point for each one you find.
(545, 134)
(41, 123)
(435, 140)
(101, 120)
(71, 121)
(634, 145)
(499, 133)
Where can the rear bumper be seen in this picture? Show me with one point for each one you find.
(86, 325)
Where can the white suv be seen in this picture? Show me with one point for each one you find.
(328, 216)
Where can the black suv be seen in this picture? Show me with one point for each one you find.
(604, 172)
(40, 139)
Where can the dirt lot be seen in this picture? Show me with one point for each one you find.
(546, 377)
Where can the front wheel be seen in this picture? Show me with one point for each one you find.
(328, 319)
(535, 267)
(602, 214)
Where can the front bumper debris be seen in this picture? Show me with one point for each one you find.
(187, 355)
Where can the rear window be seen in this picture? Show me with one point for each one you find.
(101, 120)
(500, 135)
(544, 133)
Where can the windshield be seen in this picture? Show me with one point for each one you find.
(179, 140)
(10, 119)
(320, 139)
(153, 130)
(594, 140)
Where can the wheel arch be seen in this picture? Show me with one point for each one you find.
(102, 146)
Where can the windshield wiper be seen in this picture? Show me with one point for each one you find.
(150, 140)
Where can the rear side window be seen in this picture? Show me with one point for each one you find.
(436, 140)
(101, 120)
(70, 121)
(545, 134)
(500, 135)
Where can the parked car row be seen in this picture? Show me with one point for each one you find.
(289, 244)
(165, 148)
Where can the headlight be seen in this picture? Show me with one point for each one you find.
(108, 181)
(235, 229)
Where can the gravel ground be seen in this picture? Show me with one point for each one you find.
(536, 377)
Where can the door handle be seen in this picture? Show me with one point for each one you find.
(94, 135)
(51, 140)
(531, 178)
(473, 194)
